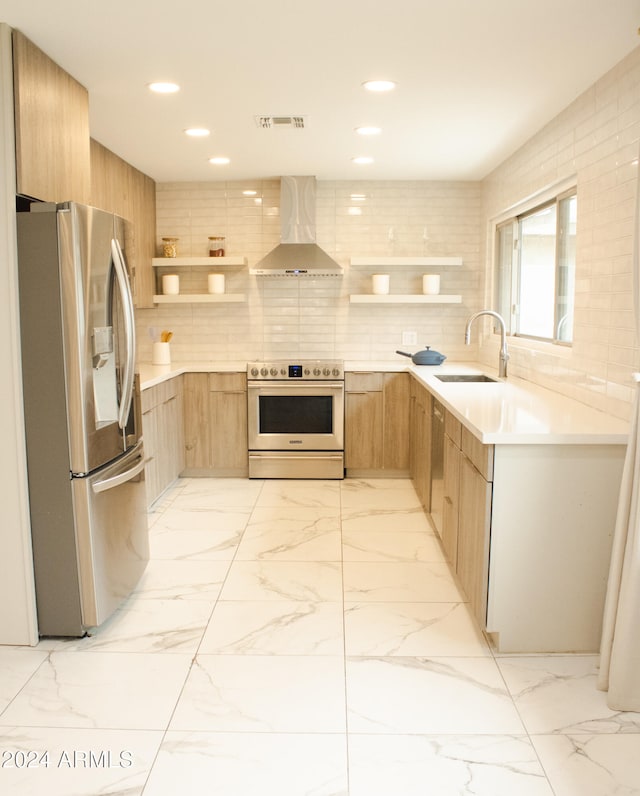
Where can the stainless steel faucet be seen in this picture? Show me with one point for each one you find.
(504, 354)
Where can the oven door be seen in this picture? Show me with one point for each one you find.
(289, 417)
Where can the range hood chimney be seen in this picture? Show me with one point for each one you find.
(297, 254)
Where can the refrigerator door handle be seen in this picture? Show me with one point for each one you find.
(130, 334)
(121, 478)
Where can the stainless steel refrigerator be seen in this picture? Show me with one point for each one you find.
(84, 448)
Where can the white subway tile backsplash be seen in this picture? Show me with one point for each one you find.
(313, 317)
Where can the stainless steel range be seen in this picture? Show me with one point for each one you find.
(296, 419)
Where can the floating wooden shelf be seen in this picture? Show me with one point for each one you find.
(370, 298)
(197, 262)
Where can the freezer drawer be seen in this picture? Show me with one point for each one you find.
(112, 534)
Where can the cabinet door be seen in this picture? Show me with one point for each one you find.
(151, 466)
(163, 436)
(396, 421)
(364, 412)
(171, 439)
(52, 127)
(177, 422)
(473, 537)
(228, 418)
(141, 212)
(197, 430)
(450, 500)
(119, 188)
(420, 449)
(363, 431)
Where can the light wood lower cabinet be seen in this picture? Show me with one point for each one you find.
(364, 408)
(228, 416)
(420, 444)
(474, 528)
(527, 530)
(162, 431)
(215, 421)
(377, 424)
(466, 513)
(451, 501)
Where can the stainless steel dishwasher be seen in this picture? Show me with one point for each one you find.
(437, 465)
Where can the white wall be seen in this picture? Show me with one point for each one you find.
(17, 597)
(595, 139)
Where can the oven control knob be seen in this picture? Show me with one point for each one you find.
(307, 371)
(263, 371)
(274, 371)
(283, 371)
(326, 372)
(254, 371)
(336, 371)
(316, 371)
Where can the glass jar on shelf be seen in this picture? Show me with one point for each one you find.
(170, 247)
(216, 246)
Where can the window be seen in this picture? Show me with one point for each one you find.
(535, 270)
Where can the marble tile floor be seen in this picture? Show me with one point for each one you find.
(299, 638)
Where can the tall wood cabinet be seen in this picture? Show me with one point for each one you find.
(56, 160)
(120, 188)
(215, 420)
(52, 128)
(377, 424)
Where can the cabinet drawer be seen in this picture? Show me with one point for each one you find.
(227, 382)
(363, 382)
(480, 455)
(452, 428)
(154, 396)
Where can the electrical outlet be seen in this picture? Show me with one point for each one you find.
(409, 338)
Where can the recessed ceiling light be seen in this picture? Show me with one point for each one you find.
(164, 88)
(197, 132)
(362, 160)
(219, 161)
(249, 193)
(379, 85)
(358, 197)
(368, 130)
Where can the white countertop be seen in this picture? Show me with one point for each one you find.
(151, 375)
(511, 411)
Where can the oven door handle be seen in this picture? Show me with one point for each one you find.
(274, 385)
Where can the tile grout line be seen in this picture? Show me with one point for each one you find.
(196, 651)
(344, 648)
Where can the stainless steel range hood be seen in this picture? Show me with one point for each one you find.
(297, 254)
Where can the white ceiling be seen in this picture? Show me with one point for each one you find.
(476, 78)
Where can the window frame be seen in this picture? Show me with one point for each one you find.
(511, 219)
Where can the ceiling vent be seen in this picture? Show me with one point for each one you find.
(283, 122)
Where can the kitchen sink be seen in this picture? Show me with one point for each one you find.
(466, 377)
